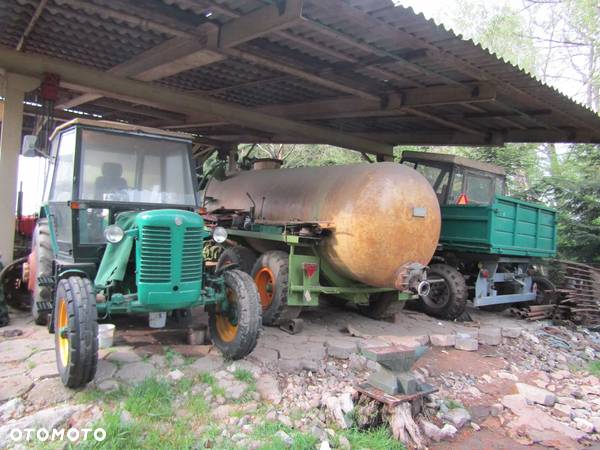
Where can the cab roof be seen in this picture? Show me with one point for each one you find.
(409, 155)
(120, 126)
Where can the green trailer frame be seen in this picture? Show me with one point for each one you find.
(305, 285)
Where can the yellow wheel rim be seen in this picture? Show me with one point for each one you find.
(63, 324)
(265, 283)
(226, 330)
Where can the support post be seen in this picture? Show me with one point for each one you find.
(15, 87)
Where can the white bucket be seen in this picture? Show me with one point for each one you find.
(106, 334)
(157, 319)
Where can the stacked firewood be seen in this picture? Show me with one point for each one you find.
(579, 294)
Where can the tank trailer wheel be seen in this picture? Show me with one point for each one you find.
(242, 256)
(379, 304)
(235, 331)
(447, 298)
(546, 291)
(76, 331)
(270, 274)
(43, 257)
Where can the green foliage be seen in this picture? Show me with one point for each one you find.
(151, 398)
(594, 367)
(373, 439)
(453, 404)
(243, 375)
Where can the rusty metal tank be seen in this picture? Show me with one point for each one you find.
(385, 215)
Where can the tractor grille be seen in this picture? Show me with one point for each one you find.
(191, 261)
(155, 262)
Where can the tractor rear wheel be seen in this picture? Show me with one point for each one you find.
(42, 259)
(270, 273)
(447, 297)
(76, 331)
(240, 255)
(379, 304)
(235, 331)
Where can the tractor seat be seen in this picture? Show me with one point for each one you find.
(110, 180)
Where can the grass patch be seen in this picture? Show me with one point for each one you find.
(243, 375)
(31, 365)
(207, 378)
(151, 398)
(265, 432)
(118, 435)
(593, 367)
(90, 395)
(374, 439)
(453, 404)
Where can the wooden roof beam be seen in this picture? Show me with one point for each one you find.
(205, 47)
(72, 74)
(394, 104)
(34, 18)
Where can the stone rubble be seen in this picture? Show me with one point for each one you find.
(528, 384)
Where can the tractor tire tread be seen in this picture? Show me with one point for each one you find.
(41, 240)
(83, 331)
(278, 312)
(458, 293)
(240, 255)
(249, 317)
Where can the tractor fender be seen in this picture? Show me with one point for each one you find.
(71, 272)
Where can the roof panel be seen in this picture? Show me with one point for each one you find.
(391, 71)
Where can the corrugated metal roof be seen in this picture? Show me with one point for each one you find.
(368, 56)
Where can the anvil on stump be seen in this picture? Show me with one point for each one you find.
(394, 376)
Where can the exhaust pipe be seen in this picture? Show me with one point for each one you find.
(423, 288)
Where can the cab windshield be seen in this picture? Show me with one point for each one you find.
(118, 167)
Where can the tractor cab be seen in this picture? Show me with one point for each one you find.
(457, 180)
(99, 170)
(120, 233)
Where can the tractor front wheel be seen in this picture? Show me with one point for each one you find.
(447, 297)
(76, 331)
(234, 330)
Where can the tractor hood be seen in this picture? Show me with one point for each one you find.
(173, 222)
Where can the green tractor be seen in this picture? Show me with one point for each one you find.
(120, 233)
(491, 245)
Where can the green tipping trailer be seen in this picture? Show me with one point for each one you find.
(490, 244)
(506, 226)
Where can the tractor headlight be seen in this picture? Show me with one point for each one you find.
(114, 234)
(219, 235)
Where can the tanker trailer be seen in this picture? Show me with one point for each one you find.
(363, 233)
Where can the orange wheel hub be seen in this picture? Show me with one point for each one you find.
(62, 335)
(265, 283)
(227, 330)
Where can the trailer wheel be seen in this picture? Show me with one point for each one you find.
(240, 255)
(447, 299)
(379, 304)
(76, 331)
(546, 291)
(270, 274)
(43, 256)
(235, 331)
